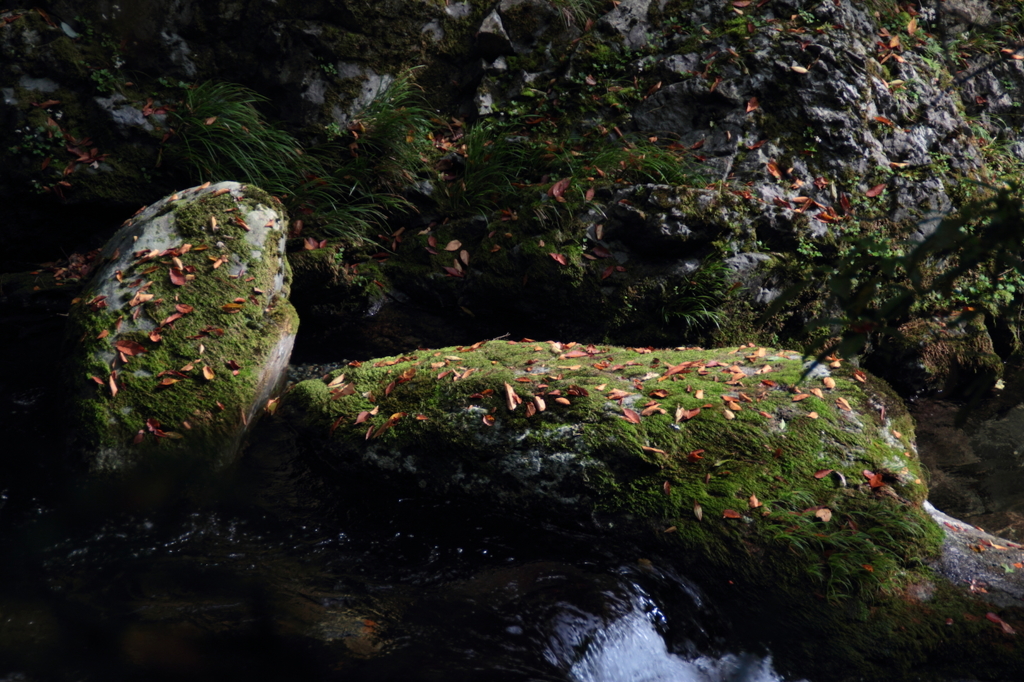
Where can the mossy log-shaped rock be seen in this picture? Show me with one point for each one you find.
(796, 483)
(185, 331)
(716, 443)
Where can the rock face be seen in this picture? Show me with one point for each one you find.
(185, 332)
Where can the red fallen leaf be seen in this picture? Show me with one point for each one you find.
(860, 376)
(177, 277)
(558, 189)
(659, 393)
(630, 416)
(589, 195)
(822, 473)
(773, 168)
(694, 456)
(608, 272)
(183, 308)
(686, 415)
(113, 384)
(488, 420)
(731, 514)
(139, 436)
(232, 365)
(601, 252)
(154, 336)
(876, 190)
(1003, 625)
(452, 272)
(666, 487)
(129, 347)
(752, 104)
(171, 318)
(559, 258)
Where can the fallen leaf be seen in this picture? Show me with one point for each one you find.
(512, 400)
(824, 514)
(860, 376)
(694, 456)
(731, 514)
(558, 189)
(876, 190)
(1003, 625)
(686, 415)
(698, 511)
(829, 382)
(801, 396)
(822, 473)
(129, 347)
(729, 414)
(666, 488)
(559, 258)
(630, 416)
(208, 373)
(488, 420)
(754, 502)
(453, 245)
(842, 404)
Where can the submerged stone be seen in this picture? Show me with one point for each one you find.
(185, 332)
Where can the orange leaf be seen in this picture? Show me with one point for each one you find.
(822, 473)
(559, 258)
(754, 502)
(694, 456)
(630, 416)
(752, 104)
(843, 405)
(512, 400)
(488, 420)
(208, 373)
(731, 514)
(876, 190)
(829, 382)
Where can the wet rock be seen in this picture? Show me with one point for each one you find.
(184, 333)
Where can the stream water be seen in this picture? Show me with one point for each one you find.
(271, 573)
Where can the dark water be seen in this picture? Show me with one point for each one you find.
(272, 573)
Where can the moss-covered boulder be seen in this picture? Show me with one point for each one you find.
(746, 443)
(794, 483)
(184, 333)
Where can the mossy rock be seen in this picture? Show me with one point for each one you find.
(793, 483)
(638, 433)
(184, 332)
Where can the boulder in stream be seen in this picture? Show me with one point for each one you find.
(185, 331)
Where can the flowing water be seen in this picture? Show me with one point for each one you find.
(274, 574)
